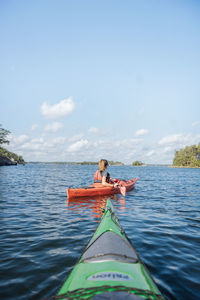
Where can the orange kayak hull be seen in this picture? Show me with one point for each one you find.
(97, 189)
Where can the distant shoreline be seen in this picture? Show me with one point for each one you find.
(96, 163)
(184, 167)
(73, 163)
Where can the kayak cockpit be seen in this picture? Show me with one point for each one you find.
(109, 246)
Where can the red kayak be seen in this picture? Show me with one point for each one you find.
(97, 189)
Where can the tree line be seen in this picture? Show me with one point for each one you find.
(187, 157)
(4, 153)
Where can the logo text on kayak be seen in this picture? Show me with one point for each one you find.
(113, 276)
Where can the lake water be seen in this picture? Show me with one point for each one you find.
(42, 234)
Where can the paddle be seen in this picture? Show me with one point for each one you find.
(122, 189)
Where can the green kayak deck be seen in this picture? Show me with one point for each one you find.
(109, 267)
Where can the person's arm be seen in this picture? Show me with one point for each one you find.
(106, 183)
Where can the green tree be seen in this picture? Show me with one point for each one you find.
(198, 149)
(3, 135)
(187, 157)
(137, 163)
(4, 153)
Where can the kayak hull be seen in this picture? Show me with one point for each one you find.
(97, 189)
(109, 264)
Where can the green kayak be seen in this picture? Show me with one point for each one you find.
(109, 267)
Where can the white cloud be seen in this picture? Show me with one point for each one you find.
(79, 148)
(38, 145)
(18, 139)
(170, 143)
(99, 143)
(37, 140)
(76, 137)
(78, 145)
(171, 139)
(34, 127)
(60, 140)
(56, 111)
(93, 130)
(179, 140)
(128, 143)
(168, 149)
(150, 153)
(53, 127)
(31, 146)
(141, 132)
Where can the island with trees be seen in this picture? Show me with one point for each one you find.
(8, 158)
(187, 157)
(138, 163)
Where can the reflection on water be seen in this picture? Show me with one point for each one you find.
(95, 204)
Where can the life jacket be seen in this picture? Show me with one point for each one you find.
(98, 177)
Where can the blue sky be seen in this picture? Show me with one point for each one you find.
(84, 80)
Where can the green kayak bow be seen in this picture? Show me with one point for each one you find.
(109, 267)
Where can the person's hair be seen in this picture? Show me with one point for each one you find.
(103, 164)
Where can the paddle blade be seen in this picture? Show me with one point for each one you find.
(123, 190)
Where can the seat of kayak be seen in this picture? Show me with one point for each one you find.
(109, 246)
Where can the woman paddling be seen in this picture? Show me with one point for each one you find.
(103, 177)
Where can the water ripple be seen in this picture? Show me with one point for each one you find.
(43, 233)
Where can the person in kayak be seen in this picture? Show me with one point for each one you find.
(102, 176)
